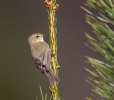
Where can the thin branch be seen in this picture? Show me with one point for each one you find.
(52, 7)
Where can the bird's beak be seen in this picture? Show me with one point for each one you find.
(44, 34)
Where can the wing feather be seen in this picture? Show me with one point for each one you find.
(42, 53)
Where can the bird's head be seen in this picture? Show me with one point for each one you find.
(36, 37)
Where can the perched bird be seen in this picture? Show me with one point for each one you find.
(41, 55)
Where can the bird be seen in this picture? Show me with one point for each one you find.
(41, 55)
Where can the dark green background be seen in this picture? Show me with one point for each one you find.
(19, 77)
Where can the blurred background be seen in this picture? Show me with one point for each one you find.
(19, 77)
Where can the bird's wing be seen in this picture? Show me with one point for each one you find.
(37, 53)
(42, 55)
(38, 50)
(46, 57)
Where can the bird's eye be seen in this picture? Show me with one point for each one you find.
(37, 36)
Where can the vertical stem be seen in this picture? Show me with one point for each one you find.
(52, 7)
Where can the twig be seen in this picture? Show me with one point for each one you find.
(52, 7)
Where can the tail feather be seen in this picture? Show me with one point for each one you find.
(52, 77)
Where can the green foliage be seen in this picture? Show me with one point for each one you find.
(103, 77)
(105, 8)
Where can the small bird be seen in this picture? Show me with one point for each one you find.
(41, 55)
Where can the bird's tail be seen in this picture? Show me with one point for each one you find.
(52, 77)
